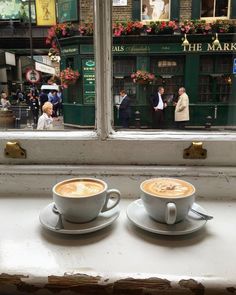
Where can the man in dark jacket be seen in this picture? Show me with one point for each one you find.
(43, 97)
(124, 109)
(158, 105)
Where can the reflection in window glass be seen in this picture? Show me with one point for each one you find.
(154, 10)
(215, 79)
(215, 8)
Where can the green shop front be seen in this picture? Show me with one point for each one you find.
(204, 69)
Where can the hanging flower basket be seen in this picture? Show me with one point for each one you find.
(142, 77)
(68, 77)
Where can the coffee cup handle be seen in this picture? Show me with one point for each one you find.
(171, 213)
(111, 192)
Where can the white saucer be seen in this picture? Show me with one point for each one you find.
(49, 220)
(137, 214)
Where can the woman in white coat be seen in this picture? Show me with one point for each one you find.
(182, 109)
(45, 121)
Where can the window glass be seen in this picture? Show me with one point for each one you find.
(154, 10)
(215, 79)
(215, 8)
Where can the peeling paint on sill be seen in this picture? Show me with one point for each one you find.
(86, 284)
(194, 286)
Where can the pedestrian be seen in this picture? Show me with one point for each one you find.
(34, 107)
(19, 96)
(45, 121)
(5, 103)
(54, 99)
(124, 109)
(43, 97)
(60, 95)
(158, 106)
(182, 109)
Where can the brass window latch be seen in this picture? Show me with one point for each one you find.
(195, 151)
(14, 150)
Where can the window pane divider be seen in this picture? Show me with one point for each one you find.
(103, 69)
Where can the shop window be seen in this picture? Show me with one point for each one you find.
(70, 62)
(123, 66)
(122, 70)
(215, 78)
(169, 73)
(167, 66)
(215, 8)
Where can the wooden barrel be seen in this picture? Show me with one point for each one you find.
(7, 119)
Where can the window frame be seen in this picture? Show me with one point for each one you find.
(174, 10)
(211, 18)
(196, 11)
(107, 146)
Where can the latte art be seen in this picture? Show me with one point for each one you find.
(81, 188)
(167, 187)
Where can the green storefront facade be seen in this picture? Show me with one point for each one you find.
(205, 70)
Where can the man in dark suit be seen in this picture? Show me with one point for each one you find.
(158, 105)
(124, 109)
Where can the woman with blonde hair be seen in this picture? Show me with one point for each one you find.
(45, 121)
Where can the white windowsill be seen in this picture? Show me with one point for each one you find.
(32, 257)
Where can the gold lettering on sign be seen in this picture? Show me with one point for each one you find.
(196, 47)
(193, 47)
(118, 48)
(233, 46)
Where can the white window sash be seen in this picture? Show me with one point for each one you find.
(106, 146)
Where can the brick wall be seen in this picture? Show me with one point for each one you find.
(123, 12)
(185, 9)
(119, 13)
(86, 10)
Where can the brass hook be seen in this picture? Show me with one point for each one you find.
(14, 150)
(195, 151)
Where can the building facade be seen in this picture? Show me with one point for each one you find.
(204, 66)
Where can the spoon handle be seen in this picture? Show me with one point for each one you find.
(59, 224)
(205, 216)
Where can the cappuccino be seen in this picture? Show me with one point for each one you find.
(79, 188)
(167, 200)
(167, 187)
(83, 199)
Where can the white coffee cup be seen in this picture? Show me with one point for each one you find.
(82, 199)
(167, 200)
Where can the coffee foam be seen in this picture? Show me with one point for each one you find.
(79, 188)
(168, 187)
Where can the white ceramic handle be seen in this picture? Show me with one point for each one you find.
(171, 213)
(111, 192)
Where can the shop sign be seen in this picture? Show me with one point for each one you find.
(163, 48)
(197, 47)
(70, 51)
(45, 12)
(67, 10)
(16, 9)
(45, 68)
(32, 76)
(88, 69)
(119, 2)
(234, 66)
(7, 58)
